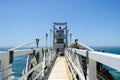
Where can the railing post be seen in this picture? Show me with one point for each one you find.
(91, 68)
(50, 56)
(79, 64)
(6, 67)
(74, 56)
(70, 54)
(43, 64)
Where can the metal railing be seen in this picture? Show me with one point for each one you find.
(92, 57)
(48, 56)
(74, 63)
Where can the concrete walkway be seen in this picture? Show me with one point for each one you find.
(60, 70)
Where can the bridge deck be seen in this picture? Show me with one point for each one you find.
(60, 70)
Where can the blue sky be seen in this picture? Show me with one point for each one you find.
(93, 22)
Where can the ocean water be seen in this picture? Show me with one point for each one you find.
(19, 62)
(112, 50)
(18, 66)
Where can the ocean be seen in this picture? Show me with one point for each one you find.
(19, 62)
(112, 50)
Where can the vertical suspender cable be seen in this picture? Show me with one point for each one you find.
(50, 37)
(46, 39)
(37, 42)
(70, 38)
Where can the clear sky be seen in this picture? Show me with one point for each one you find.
(93, 22)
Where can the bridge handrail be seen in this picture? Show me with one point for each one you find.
(111, 60)
(5, 57)
(34, 68)
(5, 54)
(25, 75)
(76, 69)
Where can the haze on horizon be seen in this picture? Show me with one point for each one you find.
(93, 22)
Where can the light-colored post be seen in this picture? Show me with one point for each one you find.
(91, 68)
(79, 64)
(43, 64)
(6, 74)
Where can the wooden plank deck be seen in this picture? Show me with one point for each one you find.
(60, 70)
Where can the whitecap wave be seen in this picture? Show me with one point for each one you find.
(18, 58)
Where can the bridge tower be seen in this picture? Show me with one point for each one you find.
(60, 37)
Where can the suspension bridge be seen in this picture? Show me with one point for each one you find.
(60, 61)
